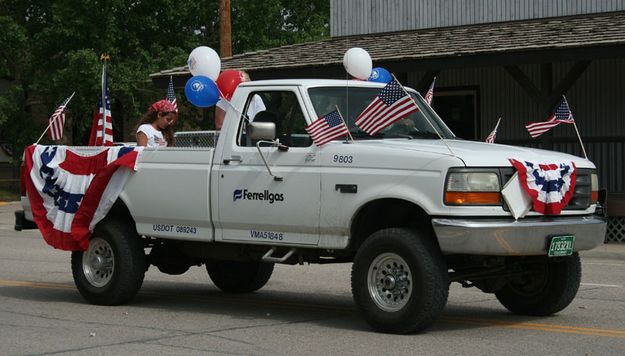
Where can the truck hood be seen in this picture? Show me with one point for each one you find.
(479, 154)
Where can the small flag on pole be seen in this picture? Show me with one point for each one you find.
(171, 96)
(430, 93)
(391, 104)
(104, 112)
(562, 114)
(493, 134)
(57, 120)
(327, 128)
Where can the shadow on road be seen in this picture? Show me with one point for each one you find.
(326, 310)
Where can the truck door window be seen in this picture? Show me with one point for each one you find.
(281, 108)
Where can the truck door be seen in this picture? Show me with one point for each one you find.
(252, 206)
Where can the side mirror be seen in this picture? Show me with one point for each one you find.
(261, 130)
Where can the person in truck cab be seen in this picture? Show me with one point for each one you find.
(255, 106)
(156, 127)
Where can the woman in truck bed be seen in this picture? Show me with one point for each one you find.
(155, 128)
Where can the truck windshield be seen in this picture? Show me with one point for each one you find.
(353, 100)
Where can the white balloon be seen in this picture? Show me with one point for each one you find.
(357, 62)
(204, 61)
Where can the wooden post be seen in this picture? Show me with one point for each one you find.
(225, 29)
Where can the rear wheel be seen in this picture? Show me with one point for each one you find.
(399, 281)
(111, 270)
(547, 286)
(239, 277)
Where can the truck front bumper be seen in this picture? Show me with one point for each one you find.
(507, 237)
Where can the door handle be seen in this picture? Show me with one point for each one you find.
(233, 159)
(347, 188)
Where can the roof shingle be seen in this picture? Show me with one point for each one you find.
(494, 38)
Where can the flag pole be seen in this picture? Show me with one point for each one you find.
(104, 57)
(495, 129)
(425, 116)
(576, 130)
(345, 123)
(580, 140)
(53, 120)
(498, 121)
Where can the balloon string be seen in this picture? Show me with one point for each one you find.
(223, 97)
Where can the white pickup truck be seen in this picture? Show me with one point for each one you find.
(411, 211)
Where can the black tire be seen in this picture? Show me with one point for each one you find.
(413, 268)
(548, 287)
(239, 277)
(111, 271)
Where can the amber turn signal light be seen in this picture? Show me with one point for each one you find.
(466, 198)
(594, 197)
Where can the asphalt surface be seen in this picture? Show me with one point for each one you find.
(305, 310)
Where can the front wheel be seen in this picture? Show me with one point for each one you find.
(399, 281)
(546, 286)
(111, 270)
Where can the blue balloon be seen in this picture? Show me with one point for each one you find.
(380, 75)
(201, 91)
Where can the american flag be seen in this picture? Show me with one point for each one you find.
(96, 126)
(430, 93)
(327, 128)
(493, 134)
(57, 120)
(390, 105)
(171, 96)
(561, 115)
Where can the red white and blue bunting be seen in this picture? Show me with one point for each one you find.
(71, 191)
(550, 185)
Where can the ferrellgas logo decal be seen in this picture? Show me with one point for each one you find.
(244, 194)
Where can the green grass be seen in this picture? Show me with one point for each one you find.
(7, 194)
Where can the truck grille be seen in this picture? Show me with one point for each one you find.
(581, 196)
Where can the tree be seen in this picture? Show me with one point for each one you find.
(273, 23)
(51, 49)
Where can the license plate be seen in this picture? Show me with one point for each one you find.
(561, 246)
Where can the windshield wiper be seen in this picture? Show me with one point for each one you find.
(398, 135)
(423, 134)
(362, 134)
(411, 135)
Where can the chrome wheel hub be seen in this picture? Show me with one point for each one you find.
(389, 282)
(98, 262)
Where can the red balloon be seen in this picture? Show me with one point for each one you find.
(228, 81)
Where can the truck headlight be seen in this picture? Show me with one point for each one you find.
(472, 188)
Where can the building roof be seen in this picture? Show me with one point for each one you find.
(308, 83)
(426, 46)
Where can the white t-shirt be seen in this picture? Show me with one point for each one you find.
(256, 105)
(155, 137)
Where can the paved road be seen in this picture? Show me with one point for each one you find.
(303, 310)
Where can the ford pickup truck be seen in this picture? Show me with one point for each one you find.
(413, 208)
